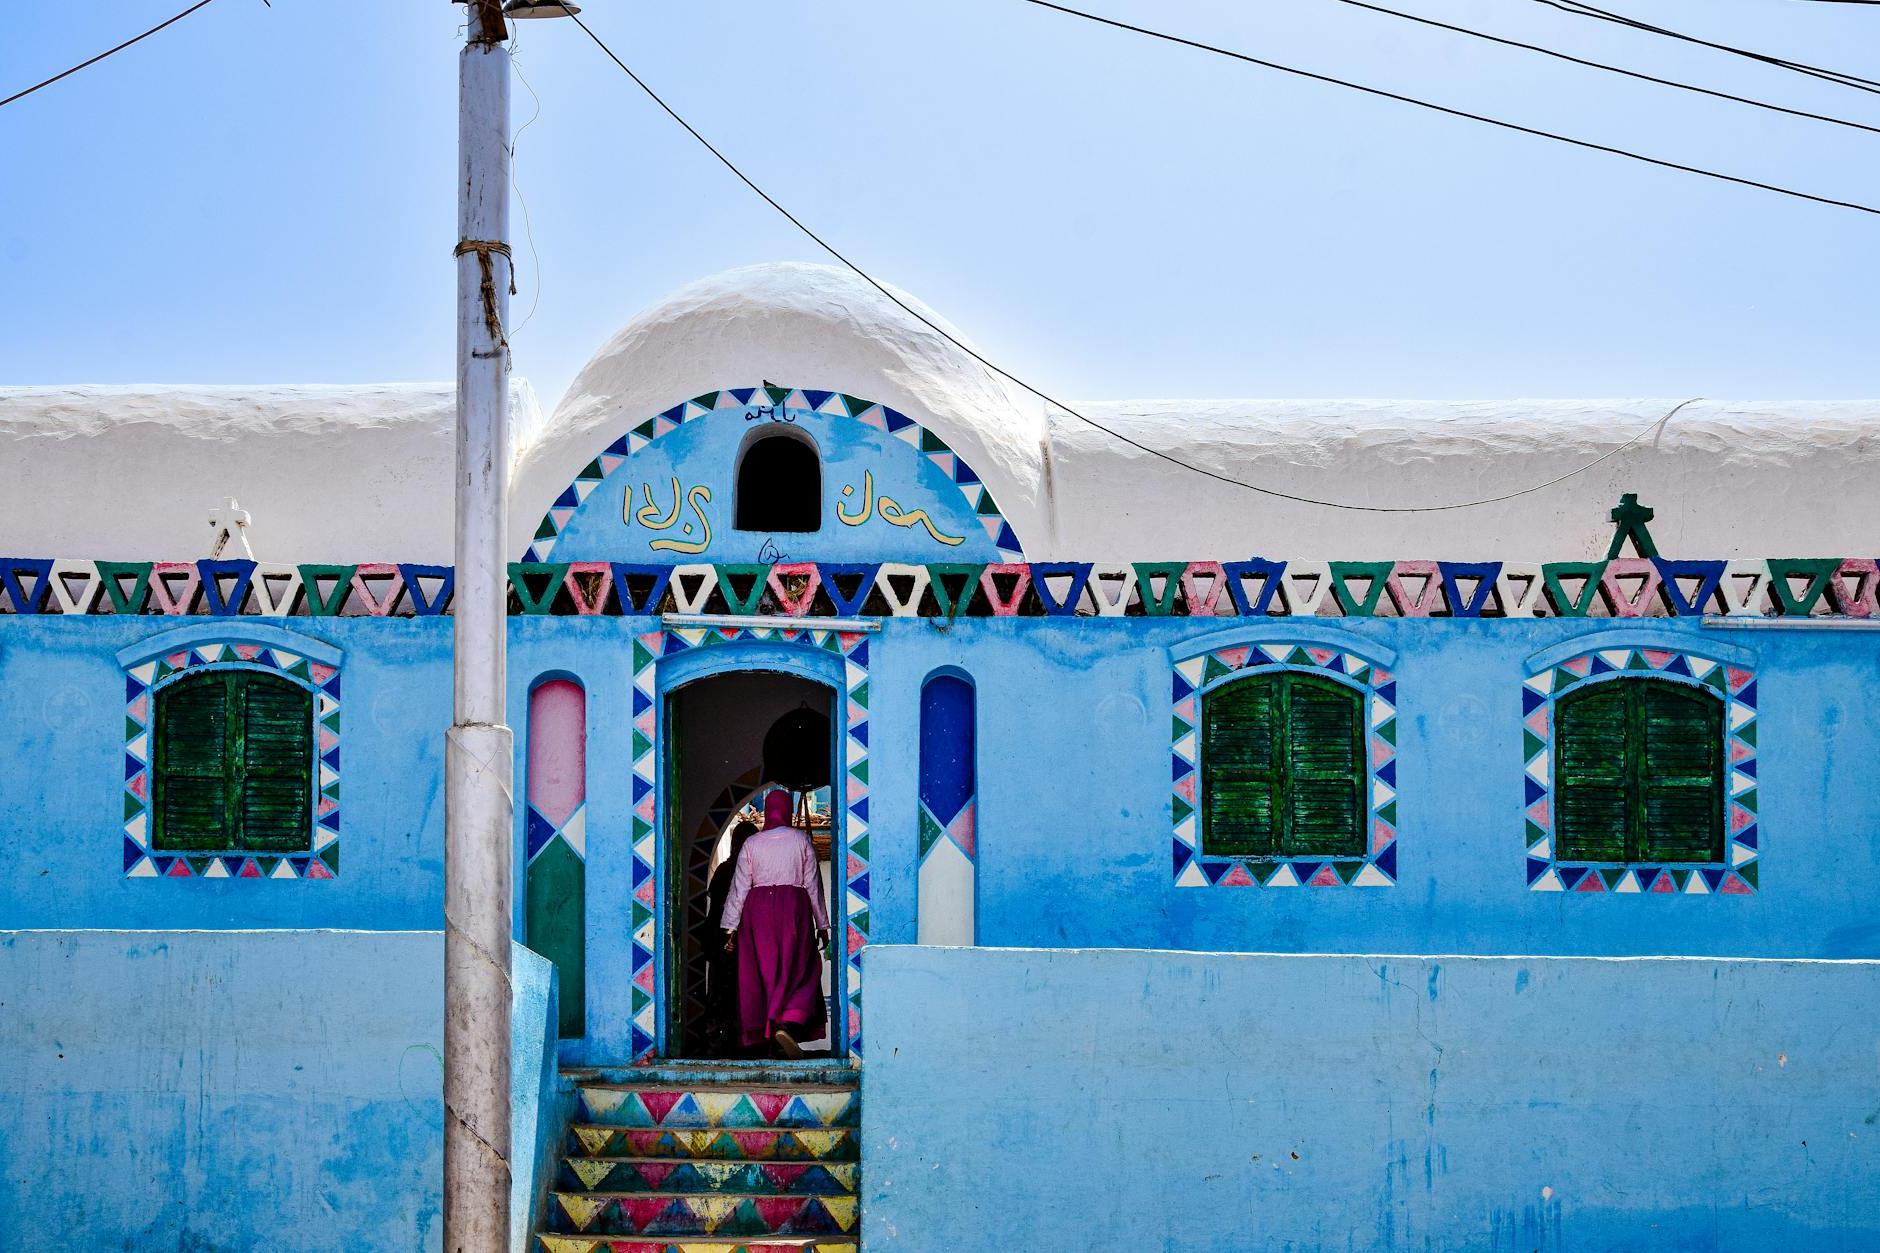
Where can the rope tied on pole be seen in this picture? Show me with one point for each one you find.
(485, 248)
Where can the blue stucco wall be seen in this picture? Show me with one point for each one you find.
(225, 1091)
(1200, 1101)
(1073, 823)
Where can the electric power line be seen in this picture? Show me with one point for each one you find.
(1614, 69)
(1000, 370)
(1446, 109)
(19, 95)
(1578, 8)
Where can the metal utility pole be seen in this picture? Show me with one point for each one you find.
(479, 752)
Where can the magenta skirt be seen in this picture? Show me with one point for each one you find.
(779, 966)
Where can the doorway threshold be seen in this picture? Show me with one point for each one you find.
(679, 1070)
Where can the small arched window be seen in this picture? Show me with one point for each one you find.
(779, 484)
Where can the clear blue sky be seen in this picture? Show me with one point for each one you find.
(266, 195)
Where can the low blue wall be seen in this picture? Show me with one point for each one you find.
(220, 1092)
(1120, 1099)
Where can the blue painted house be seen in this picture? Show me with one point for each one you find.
(1456, 833)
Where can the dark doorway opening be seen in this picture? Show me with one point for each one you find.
(718, 731)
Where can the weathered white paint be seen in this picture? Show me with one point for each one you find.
(479, 762)
(346, 474)
(328, 473)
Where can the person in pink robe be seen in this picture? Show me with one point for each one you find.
(777, 923)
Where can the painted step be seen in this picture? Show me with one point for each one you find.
(547, 1243)
(808, 1106)
(717, 1073)
(709, 1214)
(827, 1144)
(651, 1174)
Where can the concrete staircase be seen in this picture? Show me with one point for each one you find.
(709, 1158)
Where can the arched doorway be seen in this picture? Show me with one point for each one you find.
(716, 728)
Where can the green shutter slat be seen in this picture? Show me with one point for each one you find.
(193, 815)
(1239, 818)
(189, 802)
(1325, 768)
(1591, 795)
(1682, 773)
(1240, 767)
(276, 774)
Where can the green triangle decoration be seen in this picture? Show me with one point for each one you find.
(1379, 574)
(1214, 669)
(707, 401)
(968, 572)
(139, 595)
(777, 394)
(745, 605)
(1817, 570)
(856, 406)
(859, 847)
(930, 831)
(1749, 870)
(333, 602)
(1170, 572)
(1564, 605)
(330, 855)
(551, 572)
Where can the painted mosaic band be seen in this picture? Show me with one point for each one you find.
(647, 904)
(141, 860)
(1197, 674)
(770, 399)
(1626, 587)
(1738, 873)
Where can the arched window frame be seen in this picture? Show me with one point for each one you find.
(754, 439)
(1728, 673)
(1206, 664)
(161, 660)
(948, 810)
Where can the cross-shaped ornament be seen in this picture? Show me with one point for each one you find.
(230, 522)
(1629, 519)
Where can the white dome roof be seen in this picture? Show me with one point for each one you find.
(797, 325)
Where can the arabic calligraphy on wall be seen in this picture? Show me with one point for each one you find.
(695, 538)
(694, 533)
(888, 510)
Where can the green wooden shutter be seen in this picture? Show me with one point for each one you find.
(1240, 767)
(1592, 773)
(1638, 773)
(274, 775)
(1325, 769)
(1681, 773)
(190, 810)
